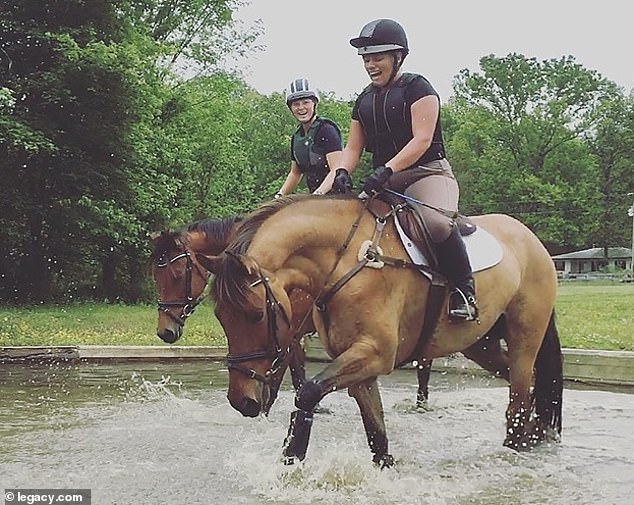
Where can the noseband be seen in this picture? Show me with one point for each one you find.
(278, 355)
(188, 304)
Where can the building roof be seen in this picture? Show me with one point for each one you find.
(596, 253)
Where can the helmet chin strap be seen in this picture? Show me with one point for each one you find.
(397, 64)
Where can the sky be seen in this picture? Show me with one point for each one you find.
(311, 38)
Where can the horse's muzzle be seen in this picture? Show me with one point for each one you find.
(248, 407)
(169, 335)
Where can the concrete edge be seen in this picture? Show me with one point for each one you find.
(148, 352)
(590, 366)
(91, 353)
(580, 365)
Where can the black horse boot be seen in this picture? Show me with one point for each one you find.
(453, 262)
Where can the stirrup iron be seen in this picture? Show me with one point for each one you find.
(466, 310)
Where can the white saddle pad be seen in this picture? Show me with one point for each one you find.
(483, 249)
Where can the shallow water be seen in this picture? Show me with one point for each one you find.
(165, 434)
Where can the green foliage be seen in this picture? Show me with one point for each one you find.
(116, 119)
(191, 33)
(87, 155)
(613, 145)
(517, 139)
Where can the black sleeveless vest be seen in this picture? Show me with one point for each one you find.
(311, 163)
(387, 122)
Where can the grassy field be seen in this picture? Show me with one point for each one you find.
(589, 316)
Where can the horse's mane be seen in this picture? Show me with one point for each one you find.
(215, 229)
(229, 285)
(254, 220)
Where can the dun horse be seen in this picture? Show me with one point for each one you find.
(370, 319)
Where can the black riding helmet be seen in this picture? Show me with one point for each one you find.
(383, 36)
(379, 36)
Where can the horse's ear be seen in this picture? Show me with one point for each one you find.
(154, 237)
(244, 262)
(162, 241)
(249, 264)
(211, 263)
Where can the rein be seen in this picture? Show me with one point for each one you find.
(451, 214)
(188, 304)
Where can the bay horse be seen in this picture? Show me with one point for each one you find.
(181, 282)
(369, 319)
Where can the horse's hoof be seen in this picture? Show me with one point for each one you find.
(321, 410)
(511, 443)
(519, 444)
(384, 461)
(532, 435)
(423, 406)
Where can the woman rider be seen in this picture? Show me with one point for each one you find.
(315, 145)
(397, 119)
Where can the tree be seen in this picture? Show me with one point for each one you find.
(613, 144)
(520, 142)
(538, 105)
(195, 35)
(64, 137)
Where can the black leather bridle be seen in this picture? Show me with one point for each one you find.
(277, 354)
(189, 303)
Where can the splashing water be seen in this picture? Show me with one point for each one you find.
(164, 434)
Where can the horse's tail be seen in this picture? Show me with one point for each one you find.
(549, 379)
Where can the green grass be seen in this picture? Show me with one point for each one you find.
(589, 316)
(596, 316)
(100, 324)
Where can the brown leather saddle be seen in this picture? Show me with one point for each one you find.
(415, 228)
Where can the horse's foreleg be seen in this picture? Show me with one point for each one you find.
(351, 367)
(296, 441)
(369, 401)
(296, 361)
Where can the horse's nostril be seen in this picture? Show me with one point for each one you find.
(249, 407)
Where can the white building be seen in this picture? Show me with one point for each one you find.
(593, 260)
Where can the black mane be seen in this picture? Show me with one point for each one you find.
(215, 228)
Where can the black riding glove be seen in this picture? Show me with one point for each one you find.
(342, 183)
(374, 184)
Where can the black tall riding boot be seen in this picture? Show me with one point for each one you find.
(453, 262)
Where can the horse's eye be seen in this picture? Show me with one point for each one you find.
(255, 317)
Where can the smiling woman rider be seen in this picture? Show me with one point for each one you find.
(315, 145)
(397, 118)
